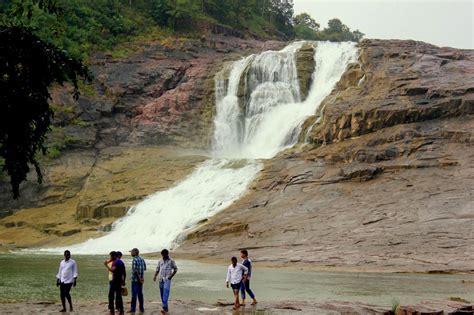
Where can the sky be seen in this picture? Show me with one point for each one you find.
(439, 22)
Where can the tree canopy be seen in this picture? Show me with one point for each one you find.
(28, 66)
(307, 28)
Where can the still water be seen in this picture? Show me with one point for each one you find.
(31, 277)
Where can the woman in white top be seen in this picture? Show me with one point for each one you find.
(235, 274)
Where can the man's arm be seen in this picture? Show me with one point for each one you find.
(74, 270)
(157, 271)
(134, 267)
(246, 272)
(228, 277)
(124, 273)
(175, 269)
(58, 276)
(111, 269)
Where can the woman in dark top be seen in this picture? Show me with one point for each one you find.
(245, 287)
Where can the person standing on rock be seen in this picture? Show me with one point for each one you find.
(115, 286)
(66, 278)
(138, 272)
(166, 270)
(235, 274)
(245, 287)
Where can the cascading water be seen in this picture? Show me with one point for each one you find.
(259, 113)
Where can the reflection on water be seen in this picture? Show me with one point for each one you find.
(32, 277)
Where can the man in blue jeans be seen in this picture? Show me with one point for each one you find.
(165, 271)
(138, 272)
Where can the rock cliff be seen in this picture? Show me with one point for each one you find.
(112, 147)
(385, 181)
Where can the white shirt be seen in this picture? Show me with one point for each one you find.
(67, 271)
(234, 274)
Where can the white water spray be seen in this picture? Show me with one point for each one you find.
(259, 113)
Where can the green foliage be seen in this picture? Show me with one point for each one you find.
(53, 152)
(306, 20)
(28, 66)
(337, 32)
(307, 28)
(82, 27)
(395, 305)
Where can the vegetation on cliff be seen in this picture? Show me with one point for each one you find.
(44, 41)
(28, 66)
(87, 26)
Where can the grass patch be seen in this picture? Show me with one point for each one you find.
(395, 305)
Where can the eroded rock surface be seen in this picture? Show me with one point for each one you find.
(386, 182)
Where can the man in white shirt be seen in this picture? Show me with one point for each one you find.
(235, 274)
(66, 278)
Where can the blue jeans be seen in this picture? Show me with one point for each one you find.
(246, 287)
(165, 287)
(137, 291)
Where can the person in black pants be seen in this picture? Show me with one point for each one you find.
(245, 287)
(115, 285)
(66, 278)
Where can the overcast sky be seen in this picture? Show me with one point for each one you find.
(441, 22)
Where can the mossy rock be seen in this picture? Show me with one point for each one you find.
(305, 65)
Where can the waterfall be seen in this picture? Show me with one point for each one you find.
(259, 113)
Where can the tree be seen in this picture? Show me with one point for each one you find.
(357, 35)
(337, 31)
(307, 20)
(160, 11)
(305, 27)
(28, 66)
(282, 16)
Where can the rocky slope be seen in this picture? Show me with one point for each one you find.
(113, 147)
(386, 181)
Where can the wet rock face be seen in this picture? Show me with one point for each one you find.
(163, 93)
(385, 182)
(166, 92)
(397, 82)
(305, 65)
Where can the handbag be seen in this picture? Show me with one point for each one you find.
(124, 291)
(141, 280)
